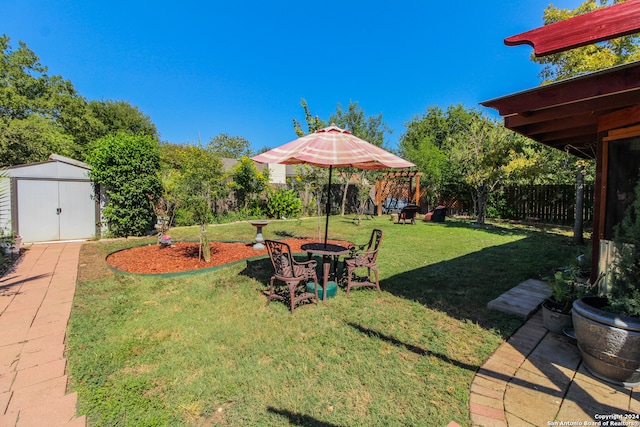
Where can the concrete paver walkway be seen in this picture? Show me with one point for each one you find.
(35, 305)
(537, 378)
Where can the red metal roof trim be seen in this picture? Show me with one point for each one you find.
(618, 20)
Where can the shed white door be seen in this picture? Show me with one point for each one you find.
(55, 210)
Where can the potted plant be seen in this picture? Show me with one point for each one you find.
(164, 240)
(567, 285)
(10, 241)
(607, 327)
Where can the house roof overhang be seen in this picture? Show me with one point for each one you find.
(605, 23)
(565, 114)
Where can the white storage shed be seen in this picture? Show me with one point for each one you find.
(52, 200)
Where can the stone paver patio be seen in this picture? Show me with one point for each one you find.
(537, 378)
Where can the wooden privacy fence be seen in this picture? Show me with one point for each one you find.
(553, 204)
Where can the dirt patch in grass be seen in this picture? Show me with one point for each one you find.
(183, 256)
(91, 263)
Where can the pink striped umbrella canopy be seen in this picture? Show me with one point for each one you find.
(333, 147)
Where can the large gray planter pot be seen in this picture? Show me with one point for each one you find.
(609, 344)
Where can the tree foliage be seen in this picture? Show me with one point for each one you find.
(121, 116)
(486, 154)
(41, 114)
(127, 167)
(247, 181)
(313, 123)
(426, 143)
(369, 128)
(589, 58)
(465, 155)
(193, 180)
(37, 111)
(231, 147)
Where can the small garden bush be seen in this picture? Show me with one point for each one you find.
(283, 203)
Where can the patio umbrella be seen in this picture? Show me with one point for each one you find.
(332, 147)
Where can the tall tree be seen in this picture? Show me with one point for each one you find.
(231, 147)
(464, 155)
(38, 112)
(427, 143)
(201, 184)
(42, 114)
(486, 154)
(313, 123)
(369, 128)
(121, 116)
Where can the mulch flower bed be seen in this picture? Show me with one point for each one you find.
(183, 256)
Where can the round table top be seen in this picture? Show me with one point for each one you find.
(322, 249)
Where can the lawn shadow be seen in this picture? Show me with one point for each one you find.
(463, 286)
(412, 348)
(297, 419)
(283, 234)
(260, 270)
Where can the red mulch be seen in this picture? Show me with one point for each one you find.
(183, 256)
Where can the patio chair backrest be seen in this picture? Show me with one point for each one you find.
(281, 259)
(374, 245)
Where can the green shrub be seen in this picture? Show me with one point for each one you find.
(283, 203)
(567, 285)
(498, 206)
(127, 167)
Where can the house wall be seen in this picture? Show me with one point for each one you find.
(277, 174)
(5, 203)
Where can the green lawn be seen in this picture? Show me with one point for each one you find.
(205, 350)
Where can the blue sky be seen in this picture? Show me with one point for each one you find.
(201, 68)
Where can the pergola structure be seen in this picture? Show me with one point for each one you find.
(388, 187)
(596, 115)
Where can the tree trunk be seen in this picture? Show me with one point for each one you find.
(345, 189)
(204, 243)
(481, 204)
(578, 225)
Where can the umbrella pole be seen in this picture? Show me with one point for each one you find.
(326, 226)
